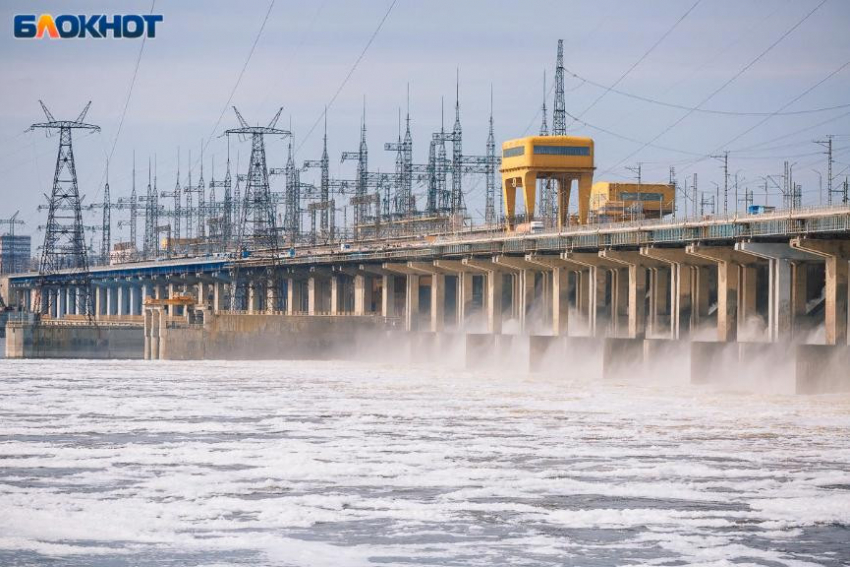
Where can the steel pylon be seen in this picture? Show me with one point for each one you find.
(64, 237)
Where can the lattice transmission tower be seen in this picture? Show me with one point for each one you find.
(257, 226)
(64, 236)
(559, 112)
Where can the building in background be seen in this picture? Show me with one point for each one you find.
(15, 250)
(618, 202)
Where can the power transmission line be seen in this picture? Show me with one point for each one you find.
(126, 106)
(241, 74)
(348, 76)
(639, 61)
(714, 93)
(707, 110)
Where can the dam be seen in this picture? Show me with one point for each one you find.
(617, 275)
(728, 289)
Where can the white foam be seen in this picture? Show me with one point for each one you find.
(336, 463)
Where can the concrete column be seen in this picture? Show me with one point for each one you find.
(494, 302)
(557, 289)
(73, 307)
(98, 302)
(592, 300)
(336, 284)
(171, 310)
(438, 301)
(218, 297)
(681, 294)
(799, 289)
(202, 293)
(699, 295)
(727, 301)
(144, 292)
(637, 303)
(154, 321)
(660, 284)
(748, 295)
(249, 291)
(312, 284)
(148, 318)
(522, 279)
(360, 282)
(636, 291)
(132, 299)
(162, 334)
(525, 298)
(513, 278)
(781, 310)
(619, 299)
(781, 293)
(464, 295)
(69, 300)
(728, 262)
(119, 300)
(368, 295)
(61, 305)
(411, 314)
(388, 295)
(293, 296)
(594, 286)
(652, 317)
(560, 301)
(271, 295)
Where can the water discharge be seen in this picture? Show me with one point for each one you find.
(331, 463)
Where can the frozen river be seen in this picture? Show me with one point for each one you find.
(340, 464)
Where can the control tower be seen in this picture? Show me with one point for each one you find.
(560, 158)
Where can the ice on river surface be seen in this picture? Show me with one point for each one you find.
(331, 463)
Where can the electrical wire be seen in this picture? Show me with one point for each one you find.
(639, 61)
(769, 116)
(714, 93)
(126, 106)
(707, 110)
(348, 76)
(304, 33)
(790, 134)
(238, 78)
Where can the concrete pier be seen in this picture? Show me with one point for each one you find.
(622, 357)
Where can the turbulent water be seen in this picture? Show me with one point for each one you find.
(212, 463)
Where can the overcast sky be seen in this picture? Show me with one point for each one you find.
(187, 73)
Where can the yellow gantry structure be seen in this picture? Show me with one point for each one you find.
(560, 158)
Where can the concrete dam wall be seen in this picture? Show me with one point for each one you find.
(260, 336)
(77, 341)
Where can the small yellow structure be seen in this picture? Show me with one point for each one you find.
(616, 202)
(560, 158)
(184, 300)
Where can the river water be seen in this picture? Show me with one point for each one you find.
(331, 463)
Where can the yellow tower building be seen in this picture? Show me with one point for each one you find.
(560, 158)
